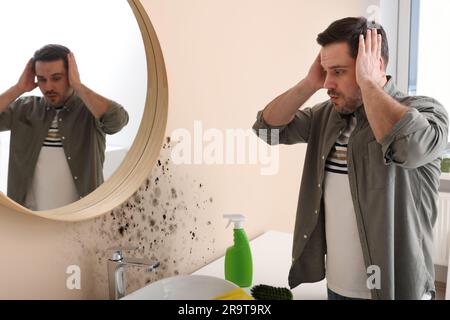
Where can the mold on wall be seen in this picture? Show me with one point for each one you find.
(161, 220)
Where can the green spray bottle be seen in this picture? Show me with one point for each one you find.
(238, 258)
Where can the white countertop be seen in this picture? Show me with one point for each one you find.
(271, 253)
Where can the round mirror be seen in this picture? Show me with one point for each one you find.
(118, 56)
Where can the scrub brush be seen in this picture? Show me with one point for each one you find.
(265, 292)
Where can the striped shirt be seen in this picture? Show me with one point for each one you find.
(345, 270)
(337, 159)
(53, 138)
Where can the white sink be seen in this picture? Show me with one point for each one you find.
(190, 287)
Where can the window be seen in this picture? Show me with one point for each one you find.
(429, 60)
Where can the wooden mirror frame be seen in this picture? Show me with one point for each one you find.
(140, 159)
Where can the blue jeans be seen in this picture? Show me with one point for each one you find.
(335, 296)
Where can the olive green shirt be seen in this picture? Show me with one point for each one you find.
(83, 138)
(394, 186)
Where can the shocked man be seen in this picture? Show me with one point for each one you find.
(58, 141)
(369, 191)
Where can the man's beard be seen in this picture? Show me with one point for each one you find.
(61, 99)
(351, 104)
(51, 96)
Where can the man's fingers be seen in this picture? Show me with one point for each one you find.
(362, 45)
(374, 41)
(72, 60)
(380, 42)
(29, 65)
(369, 41)
(70, 57)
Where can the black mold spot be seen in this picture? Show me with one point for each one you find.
(137, 198)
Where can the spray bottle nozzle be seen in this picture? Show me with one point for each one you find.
(237, 219)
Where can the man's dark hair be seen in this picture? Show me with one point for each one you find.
(348, 30)
(51, 52)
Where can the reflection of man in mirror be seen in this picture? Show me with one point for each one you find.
(369, 193)
(57, 147)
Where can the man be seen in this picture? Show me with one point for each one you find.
(57, 146)
(369, 191)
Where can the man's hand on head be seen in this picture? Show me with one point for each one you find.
(74, 75)
(27, 81)
(369, 63)
(316, 75)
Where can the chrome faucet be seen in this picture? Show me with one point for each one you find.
(116, 266)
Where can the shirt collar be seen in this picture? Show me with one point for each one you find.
(360, 113)
(71, 101)
(68, 104)
(389, 88)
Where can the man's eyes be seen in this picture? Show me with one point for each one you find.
(53, 79)
(336, 72)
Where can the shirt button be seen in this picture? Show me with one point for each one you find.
(316, 212)
(305, 236)
(64, 138)
(60, 120)
(76, 178)
(69, 158)
(319, 185)
(323, 157)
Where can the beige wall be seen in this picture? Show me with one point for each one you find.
(225, 60)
